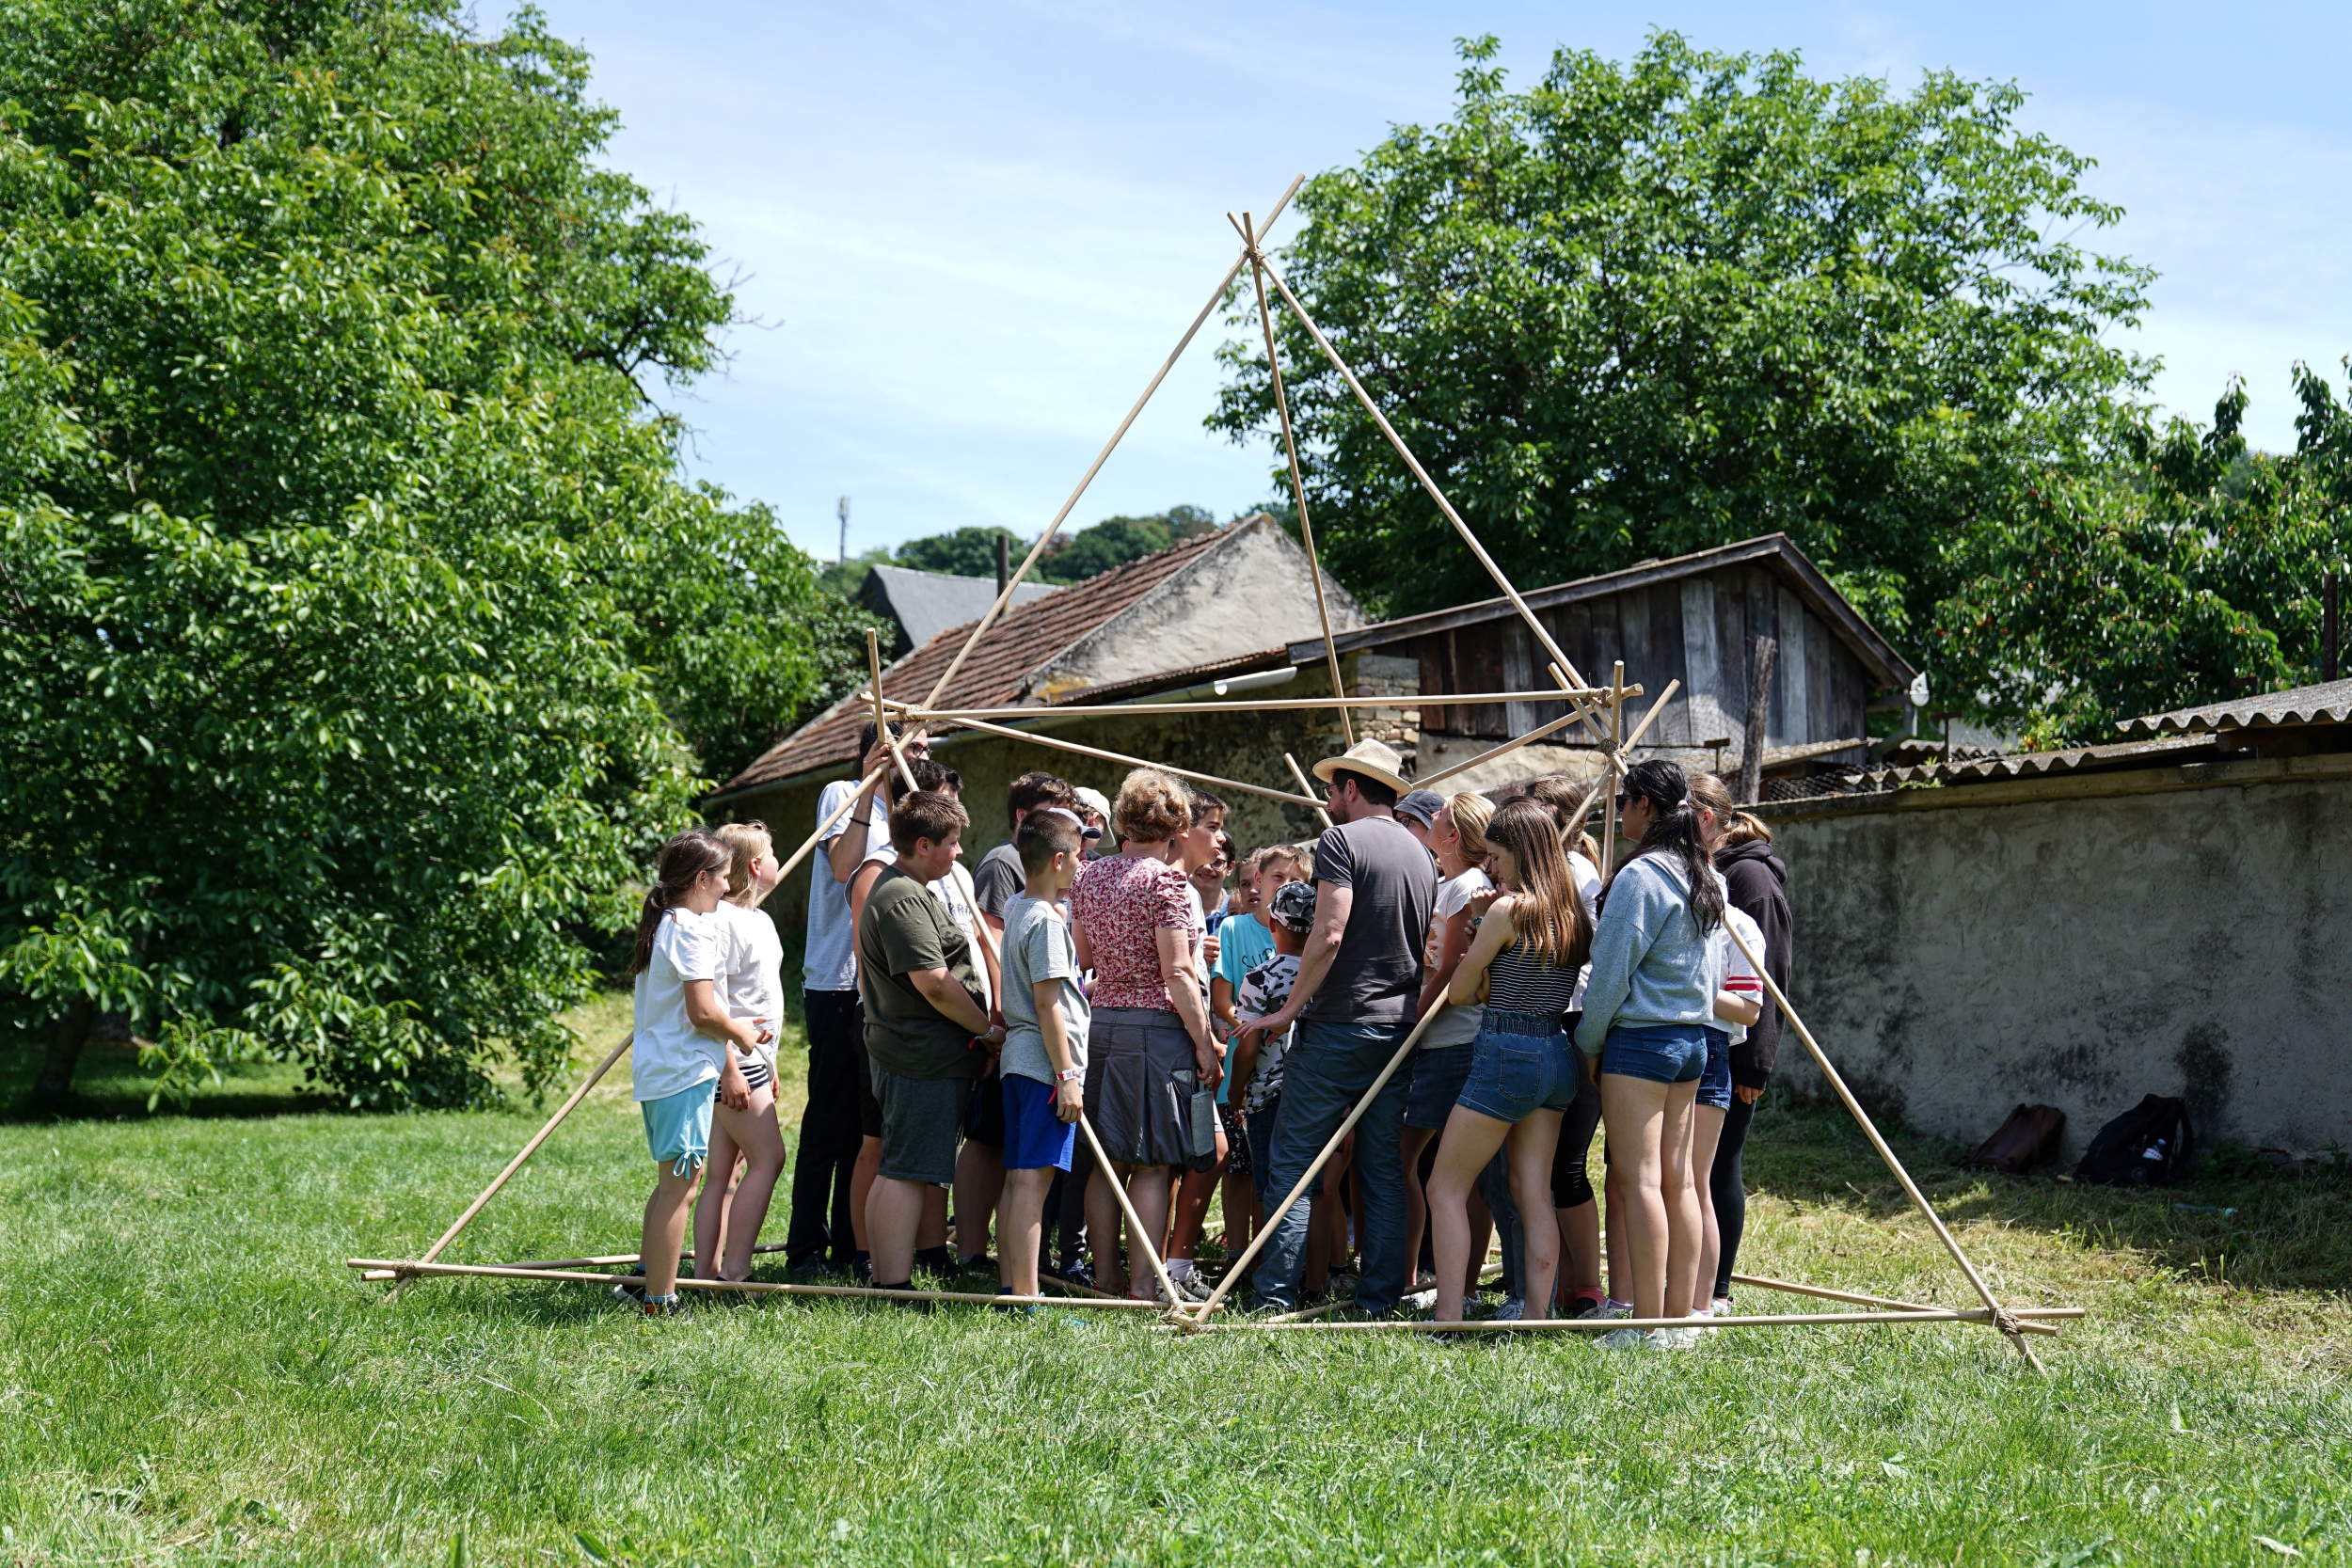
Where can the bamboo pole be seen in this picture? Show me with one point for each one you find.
(1012, 583)
(1060, 744)
(2000, 1318)
(1503, 751)
(1604, 1325)
(570, 1103)
(847, 805)
(419, 1269)
(1304, 788)
(1135, 1221)
(1826, 1294)
(1478, 549)
(1290, 448)
(881, 719)
(1239, 1269)
(1243, 704)
(1616, 771)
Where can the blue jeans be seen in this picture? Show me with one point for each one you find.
(1325, 1074)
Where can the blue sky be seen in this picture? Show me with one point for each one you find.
(968, 232)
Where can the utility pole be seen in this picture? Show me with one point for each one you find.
(842, 511)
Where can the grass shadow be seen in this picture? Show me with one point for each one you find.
(2231, 1221)
(110, 1086)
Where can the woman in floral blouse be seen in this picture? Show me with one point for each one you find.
(1149, 1047)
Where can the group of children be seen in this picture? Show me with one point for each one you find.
(992, 1019)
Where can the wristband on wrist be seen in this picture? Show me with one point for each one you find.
(1070, 1076)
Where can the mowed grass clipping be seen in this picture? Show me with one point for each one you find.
(189, 1373)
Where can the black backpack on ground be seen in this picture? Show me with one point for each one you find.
(2148, 1146)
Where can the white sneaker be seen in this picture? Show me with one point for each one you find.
(1511, 1312)
(1673, 1339)
(1702, 1319)
(1612, 1308)
(1720, 1306)
(1626, 1339)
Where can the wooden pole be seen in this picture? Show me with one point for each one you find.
(1604, 1325)
(2000, 1318)
(1060, 744)
(881, 719)
(1759, 711)
(1616, 771)
(847, 805)
(1239, 1269)
(1271, 704)
(1304, 788)
(1298, 485)
(1216, 298)
(1542, 635)
(1761, 1283)
(417, 1268)
(1134, 1223)
(570, 1103)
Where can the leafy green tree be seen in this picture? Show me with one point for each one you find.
(968, 552)
(1641, 310)
(2187, 573)
(359, 639)
(971, 552)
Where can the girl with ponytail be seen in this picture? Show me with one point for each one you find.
(681, 1062)
(1647, 1009)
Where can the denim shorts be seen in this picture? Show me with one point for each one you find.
(1715, 1082)
(678, 1127)
(1519, 1064)
(1438, 1074)
(1663, 1053)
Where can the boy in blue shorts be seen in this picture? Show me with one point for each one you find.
(1044, 1061)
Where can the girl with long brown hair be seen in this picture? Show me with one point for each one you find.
(1522, 964)
(681, 1063)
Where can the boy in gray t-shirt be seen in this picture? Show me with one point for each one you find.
(1044, 1059)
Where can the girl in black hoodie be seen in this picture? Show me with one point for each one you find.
(1758, 885)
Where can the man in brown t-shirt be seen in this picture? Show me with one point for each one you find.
(1353, 1001)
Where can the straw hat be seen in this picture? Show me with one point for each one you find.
(1370, 758)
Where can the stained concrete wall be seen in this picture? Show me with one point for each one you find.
(2182, 931)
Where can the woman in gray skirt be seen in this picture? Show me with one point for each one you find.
(1149, 1047)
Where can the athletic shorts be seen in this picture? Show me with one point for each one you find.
(1034, 1137)
(922, 1124)
(1663, 1053)
(678, 1127)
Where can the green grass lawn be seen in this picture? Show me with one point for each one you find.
(189, 1373)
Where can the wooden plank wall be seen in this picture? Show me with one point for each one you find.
(1696, 630)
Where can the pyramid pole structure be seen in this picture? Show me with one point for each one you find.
(881, 720)
(1250, 236)
(1999, 1317)
(1014, 583)
(1567, 665)
(1060, 745)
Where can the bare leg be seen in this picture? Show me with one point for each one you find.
(710, 1208)
(1409, 1146)
(862, 1178)
(1192, 1203)
(980, 1181)
(1470, 1141)
(1482, 1238)
(1149, 1190)
(1021, 1228)
(1342, 1251)
(1706, 1130)
(1102, 1226)
(665, 1228)
(893, 1211)
(1531, 1143)
(1636, 1110)
(1681, 1197)
(932, 1231)
(1620, 1236)
(754, 1130)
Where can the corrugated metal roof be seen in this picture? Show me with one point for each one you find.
(928, 603)
(2330, 704)
(2027, 765)
(1024, 641)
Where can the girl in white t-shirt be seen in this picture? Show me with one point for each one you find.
(1457, 837)
(750, 987)
(682, 1034)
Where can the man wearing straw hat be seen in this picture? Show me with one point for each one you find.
(1357, 981)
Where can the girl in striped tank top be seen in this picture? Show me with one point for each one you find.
(1522, 964)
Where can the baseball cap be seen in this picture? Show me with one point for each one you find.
(1295, 907)
(1422, 805)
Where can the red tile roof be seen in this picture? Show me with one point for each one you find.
(1019, 644)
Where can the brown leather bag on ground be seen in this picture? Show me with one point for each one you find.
(2026, 1139)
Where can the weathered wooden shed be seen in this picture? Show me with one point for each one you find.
(1691, 618)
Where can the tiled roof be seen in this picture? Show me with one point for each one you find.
(2027, 765)
(2330, 704)
(1027, 638)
